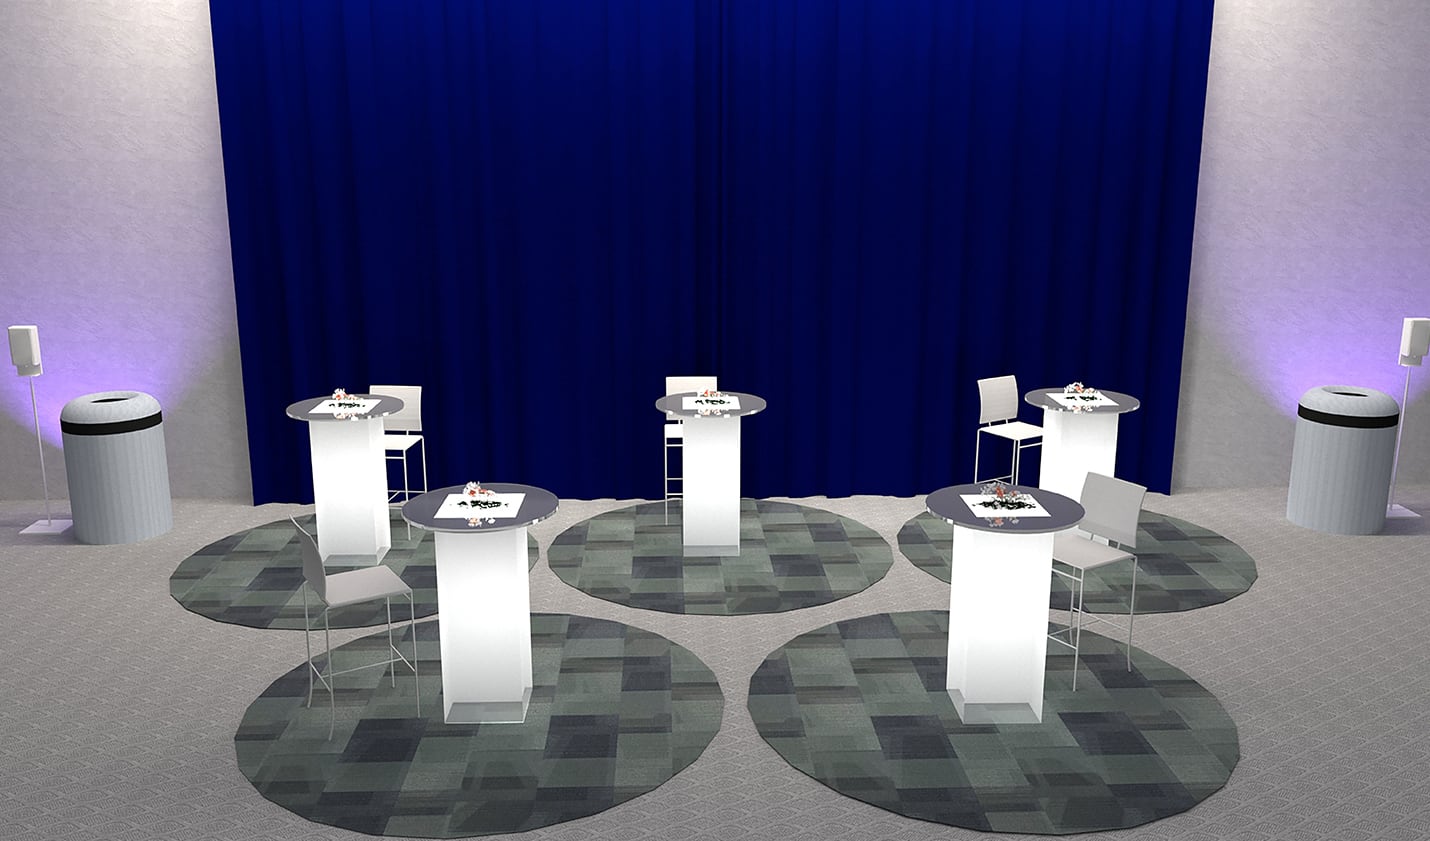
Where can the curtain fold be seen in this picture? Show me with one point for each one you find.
(538, 209)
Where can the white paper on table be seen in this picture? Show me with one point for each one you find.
(1079, 400)
(452, 510)
(977, 503)
(724, 403)
(330, 407)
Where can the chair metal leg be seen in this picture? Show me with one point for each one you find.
(977, 448)
(423, 445)
(1131, 613)
(328, 665)
(1077, 629)
(1017, 457)
(308, 642)
(391, 649)
(412, 629)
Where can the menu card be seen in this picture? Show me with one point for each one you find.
(723, 403)
(978, 504)
(451, 508)
(330, 407)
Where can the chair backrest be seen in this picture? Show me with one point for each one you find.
(312, 563)
(1112, 507)
(409, 418)
(680, 385)
(997, 399)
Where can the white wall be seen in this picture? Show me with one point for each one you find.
(114, 231)
(1312, 217)
(1313, 228)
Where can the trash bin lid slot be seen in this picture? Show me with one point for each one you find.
(112, 427)
(1348, 421)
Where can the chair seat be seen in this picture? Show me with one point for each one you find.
(393, 442)
(360, 585)
(1013, 430)
(1084, 553)
(674, 430)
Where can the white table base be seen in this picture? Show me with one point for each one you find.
(710, 513)
(1074, 445)
(484, 604)
(350, 489)
(998, 625)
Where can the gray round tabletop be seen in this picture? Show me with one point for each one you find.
(1041, 398)
(421, 510)
(671, 405)
(303, 409)
(1063, 513)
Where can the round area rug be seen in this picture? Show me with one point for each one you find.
(615, 712)
(790, 557)
(254, 578)
(861, 707)
(1180, 566)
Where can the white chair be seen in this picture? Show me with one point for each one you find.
(1112, 507)
(675, 430)
(340, 590)
(403, 431)
(998, 415)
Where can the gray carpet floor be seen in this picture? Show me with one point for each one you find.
(120, 706)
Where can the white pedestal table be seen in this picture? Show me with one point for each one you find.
(1076, 443)
(484, 603)
(349, 478)
(998, 604)
(710, 470)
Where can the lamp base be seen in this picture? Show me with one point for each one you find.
(48, 527)
(1395, 511)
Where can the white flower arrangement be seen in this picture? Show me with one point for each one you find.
(1078, 391)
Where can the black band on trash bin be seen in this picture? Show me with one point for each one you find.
(113, 427)
(1349, 421)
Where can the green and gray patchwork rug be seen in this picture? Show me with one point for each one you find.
(790, 557)
(615, 712)
(1180, 566)
(255, 577)
(861, 706)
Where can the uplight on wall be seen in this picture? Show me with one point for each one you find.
(1414, 344)
(25, 355)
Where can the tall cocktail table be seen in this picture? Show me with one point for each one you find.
(483, 599)
(349, 476)
(710, 487)
(998, 603)
(1076, 443)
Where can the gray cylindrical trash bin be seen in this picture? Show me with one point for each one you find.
(116, 466)
(1342, 458)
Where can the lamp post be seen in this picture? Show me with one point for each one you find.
(25, 355)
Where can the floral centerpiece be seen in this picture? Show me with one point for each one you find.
(345, 400)
(1003, 497)
(1080, 392)
(473, 495)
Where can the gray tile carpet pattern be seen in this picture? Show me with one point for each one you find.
(1180, 566)
(120, 706)
(615, 711)
(861, 706)
(791, 557)
(254, 577)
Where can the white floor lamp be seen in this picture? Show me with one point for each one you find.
(1414, 344)
(25, 355)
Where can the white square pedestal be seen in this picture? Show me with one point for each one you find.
(1074, 445)
(350, 489)
(710, 513)
(484, 604)
(998, 625)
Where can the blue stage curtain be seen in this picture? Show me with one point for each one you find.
(538, 209)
